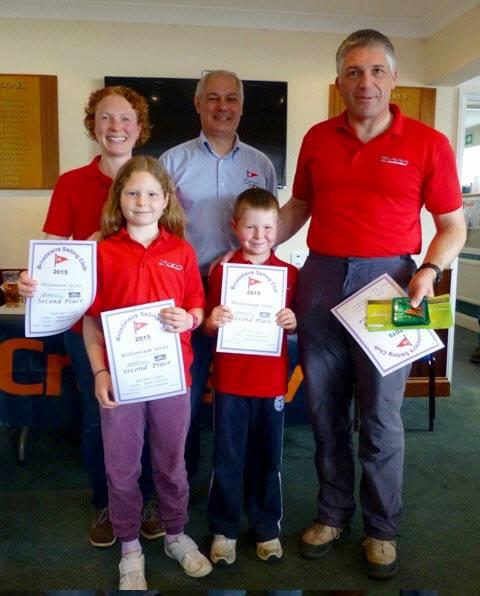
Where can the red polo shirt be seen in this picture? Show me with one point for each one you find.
(247, 374)
(77, 201)
(366, 198)
(128, 274)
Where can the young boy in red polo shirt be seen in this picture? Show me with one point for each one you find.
(249, 400)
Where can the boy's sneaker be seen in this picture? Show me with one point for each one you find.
(132, 573)
(223, 550)
(101, 531)
(381, 557)
(270, 551)
(319, 539)
(152, 525)
(186, 552)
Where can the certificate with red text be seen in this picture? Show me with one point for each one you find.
(145, 361)
(388, 350)
(66, 272)
(254, 294)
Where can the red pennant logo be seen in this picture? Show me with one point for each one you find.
(252, 281)
(59, 259)
(251, 174)
(138, 325)
(404, 342)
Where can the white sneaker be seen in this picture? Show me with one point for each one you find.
(186, 552)
(132, 573)
(270, 551)
(223, 550)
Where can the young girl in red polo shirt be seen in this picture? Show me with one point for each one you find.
(143, 259)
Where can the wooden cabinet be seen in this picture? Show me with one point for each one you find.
(417, 384)
(416, 102)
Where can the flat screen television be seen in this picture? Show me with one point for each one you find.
(174, 119)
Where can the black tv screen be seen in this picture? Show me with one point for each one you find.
(174, 119)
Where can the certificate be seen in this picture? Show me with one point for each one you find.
(146, 361)
(254, 294)
(388, 350)
(66, 271)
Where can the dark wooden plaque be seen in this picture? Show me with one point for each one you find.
(416, 102)
(28, 131)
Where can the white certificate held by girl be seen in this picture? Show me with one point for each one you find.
(254, 294)
(145, 360)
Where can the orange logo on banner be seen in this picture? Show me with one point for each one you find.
(59, 259)
(52, 384)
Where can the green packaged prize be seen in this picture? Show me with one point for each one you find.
(404, 315)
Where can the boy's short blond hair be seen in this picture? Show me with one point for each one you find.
(255, 198)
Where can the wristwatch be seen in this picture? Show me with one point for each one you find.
(436, 268)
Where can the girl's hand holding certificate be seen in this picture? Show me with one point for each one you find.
(177, 320)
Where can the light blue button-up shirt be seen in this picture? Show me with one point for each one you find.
(207, 186)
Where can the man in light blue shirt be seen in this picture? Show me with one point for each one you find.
(212, 170)
(209, 173)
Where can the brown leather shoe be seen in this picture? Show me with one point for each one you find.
(319, 539)
(152, 526)
(101, 531)
(381, 557)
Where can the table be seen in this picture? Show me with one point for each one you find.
(37, 384)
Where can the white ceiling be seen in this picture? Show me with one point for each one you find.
(404, 18)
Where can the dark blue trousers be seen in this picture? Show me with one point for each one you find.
(202, 346)
(334, 367)
(247, 459)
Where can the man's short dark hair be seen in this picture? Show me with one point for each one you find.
(366, 38)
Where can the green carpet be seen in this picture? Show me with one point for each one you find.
(45, 512)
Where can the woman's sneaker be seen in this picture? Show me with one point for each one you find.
(270, 551)
(186, 552)
(223, 550)
(132, 573)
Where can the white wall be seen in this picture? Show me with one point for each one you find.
(81, 53)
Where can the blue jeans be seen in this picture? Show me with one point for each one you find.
(92, 444)
(335, 367)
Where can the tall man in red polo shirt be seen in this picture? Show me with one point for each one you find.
(363, 177)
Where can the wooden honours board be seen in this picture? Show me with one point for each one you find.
(28, 131)
(416, 102)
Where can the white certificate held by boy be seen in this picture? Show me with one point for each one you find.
(67, 279)
(145, 360)
(254, 294)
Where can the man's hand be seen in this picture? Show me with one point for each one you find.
(221, 259)
(421, 285)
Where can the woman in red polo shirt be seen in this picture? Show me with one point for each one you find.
(117, 119)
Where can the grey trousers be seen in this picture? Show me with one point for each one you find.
(335, 367)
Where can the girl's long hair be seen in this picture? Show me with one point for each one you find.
(173, 217)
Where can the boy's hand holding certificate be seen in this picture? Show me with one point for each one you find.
(254, 294)
(67, 280)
